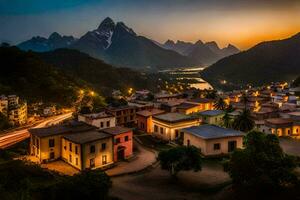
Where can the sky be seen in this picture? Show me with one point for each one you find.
(243, 23)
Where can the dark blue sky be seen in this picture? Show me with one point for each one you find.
(241, 22)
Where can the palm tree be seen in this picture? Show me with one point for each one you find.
(210, 94)
(227, 123)
(244, 121)
(220, 104)
(245, 100)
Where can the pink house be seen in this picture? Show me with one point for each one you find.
(123, 142)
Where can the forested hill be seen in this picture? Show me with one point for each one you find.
(25, 74)
(264, 63)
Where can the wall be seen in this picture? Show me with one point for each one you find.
(66, 153)
(127, 144)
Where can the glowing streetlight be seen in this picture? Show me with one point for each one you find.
(92, 93)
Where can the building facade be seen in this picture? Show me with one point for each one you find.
(100, 120)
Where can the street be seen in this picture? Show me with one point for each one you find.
(14, 137)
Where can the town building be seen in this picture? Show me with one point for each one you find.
(122, 142)
(125, 115)
(168, 126)
(202, 103)
(211, 116)
(187, 108)
(3, 105)
(279, 126)
(87, 150)
(100, 120)
(17, 114)
(213, 140)
(144, 119)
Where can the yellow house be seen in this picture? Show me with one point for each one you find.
(212, 116)
(280, 126)
(213, 140)
(45, 143)
(202, 103)
(188, 108)
(17, 114)
(167, 126)
(88, 150)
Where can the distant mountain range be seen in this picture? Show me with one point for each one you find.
(119, 45)
(206, 53)
(266, 62)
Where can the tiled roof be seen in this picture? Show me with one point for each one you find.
(147, 113)
(116, 130)
(212, 112)
(279, 121)
(86, 137)
(173, 117)
(186, 106)
(212, 132)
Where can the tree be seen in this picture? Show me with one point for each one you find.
(85, 110)
(4, 123)
(220, 104)
(262, 165)
(180, 158)
(227, 121)
(210, 94)
(243, 122)
(245, 100)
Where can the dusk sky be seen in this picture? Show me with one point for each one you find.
(240, 22)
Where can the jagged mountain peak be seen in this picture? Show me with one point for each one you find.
(122, 27)
(169, 42)
(199, 42)
(107, 23)
(54, 35)
(213, 45)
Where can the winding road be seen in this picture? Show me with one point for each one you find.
(13, 137)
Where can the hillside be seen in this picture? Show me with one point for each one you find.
(100, 75)
(25, 74)
(264, 63)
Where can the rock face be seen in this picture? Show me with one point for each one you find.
(119, 45)
(206, 53)
(264, 63)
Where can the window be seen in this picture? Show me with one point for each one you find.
(101, 124)
(188, 142)
(92, 163)
(108, 124)
(117, 141)
(104, 160)
(37, 143)
(33, 140)
(70, 146)
(92, 149)
(161, 130)
(76, 161)
(70, 158)
(76, 149)
(126, 138)
(131, 118)
(103, 146)
(51, 142)
(217, 146)
(155, 128)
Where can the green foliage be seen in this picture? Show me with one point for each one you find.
(180, 158)
(21, 180)
(262, 165)
(25, 74)
(243, 122)
(220, 104)
(210, 94)
(296, 82)
(4, 123)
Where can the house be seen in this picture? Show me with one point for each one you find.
(122, 142)
(279, 126)
(211, 116)
(100, 120)
(163, 97)
(213, 140)
(91, 149)
(187, 108)
(167, 126)
(17, 114)
(125, 115)
(13, 100)
(3, 105)
(45, 143)
(144, 119)
(49, 111)
(202, 103)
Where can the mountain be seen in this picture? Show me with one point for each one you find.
(41, 44)
(25, 74)
(100, 75)
(206, 53)
(117, 44)
(264, 63)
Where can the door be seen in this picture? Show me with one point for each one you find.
(121, 153)
(231, 146)
(52, 155)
